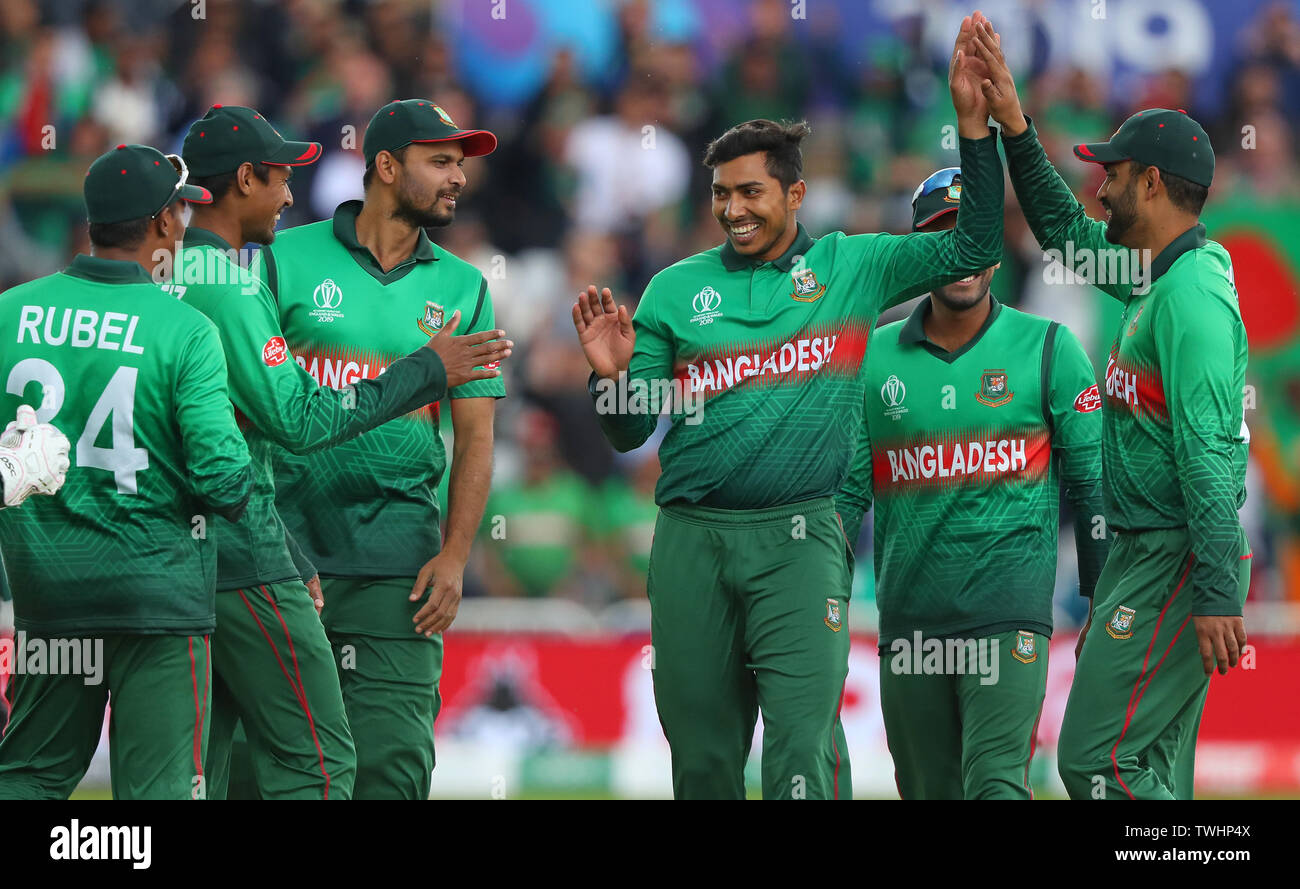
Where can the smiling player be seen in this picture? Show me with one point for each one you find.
(749, 570)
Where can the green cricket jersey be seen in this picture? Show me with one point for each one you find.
(1175, 436)
(774, 350)
(368, 508)
(278, 403)
(137, 382)
(964, 453)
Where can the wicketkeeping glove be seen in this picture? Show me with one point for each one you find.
(33, 458)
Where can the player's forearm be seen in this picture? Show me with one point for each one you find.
(1214, 529)
(467, 491)
(318, 417)
(1059, 222)
(923, 262)
(625, 426)
(1091, 541)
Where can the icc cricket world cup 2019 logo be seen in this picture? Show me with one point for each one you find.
(892, 394)
(327, 296)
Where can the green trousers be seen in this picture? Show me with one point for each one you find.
(749, 613)
(1139, 688)
(157, 731)
(273, 671)
(963, 726)
(389, 676)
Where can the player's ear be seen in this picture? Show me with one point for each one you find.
(244, 178)
(794, 195)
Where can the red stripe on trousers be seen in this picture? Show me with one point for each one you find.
(1139, 688)
(1033, 745)
(835, 746)
(283, 670)
(198, 709)
(320, 754)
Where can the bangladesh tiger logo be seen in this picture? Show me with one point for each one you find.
(1120, 625)
(431, 323)
(993, 389)
(832, 618)
(1025, 652)
(806, 288)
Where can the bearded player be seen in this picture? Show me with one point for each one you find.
(975, 415)
(272, 664)
(1170, 597)
(356, 293)
(750, 570)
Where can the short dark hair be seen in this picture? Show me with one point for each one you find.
(127, 234)
(780, 141)
(1184, 194)
(399, 153)
(220, 183)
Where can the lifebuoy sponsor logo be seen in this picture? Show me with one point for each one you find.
(1088, 400)
(275, 351)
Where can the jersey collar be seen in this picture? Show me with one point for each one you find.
(107, 271)
(913, 332)
(1189, 240)
(734, 262)
(345, 229)
(201, 237)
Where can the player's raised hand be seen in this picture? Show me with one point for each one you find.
(443, 577)
(605, 332)
(998, 87)
(965, 73)
(33, 457)
(474, 356)
(1221, 640)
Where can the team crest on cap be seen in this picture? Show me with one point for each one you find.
(1120, 625)
(431, 323)
(953, 194)
(327, 296)
(832, 618)
(446, 118)
(994, 390)
(806, 288)
(1025, 652)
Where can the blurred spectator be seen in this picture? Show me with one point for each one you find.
(535, 531)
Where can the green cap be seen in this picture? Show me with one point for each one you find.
(229, 135)
(135, 181)
(400, 123)
(940, 193)
(1158, 137)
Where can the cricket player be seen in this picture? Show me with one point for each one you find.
(750, 570)
(112, 573)
(975, 413)
(355, 293)
(272, 664)
(1170, 597)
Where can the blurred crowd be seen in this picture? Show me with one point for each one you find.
(597, 179)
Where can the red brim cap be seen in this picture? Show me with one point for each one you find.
(932, 217)
(294, 154)
(475, 143)
(1099, 153)
(195, 194)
